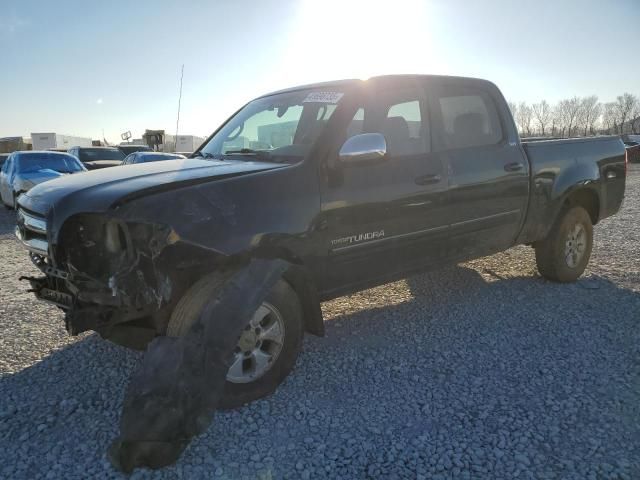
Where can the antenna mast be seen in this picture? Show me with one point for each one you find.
(179, 102)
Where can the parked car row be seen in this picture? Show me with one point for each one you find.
(19, 171)
(23, 170)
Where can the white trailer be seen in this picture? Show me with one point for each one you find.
(188, 143)
(47, 141)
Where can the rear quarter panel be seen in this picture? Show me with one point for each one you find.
(561, 167)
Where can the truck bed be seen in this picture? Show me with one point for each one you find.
(598, 163)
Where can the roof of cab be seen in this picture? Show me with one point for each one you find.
(380, 78)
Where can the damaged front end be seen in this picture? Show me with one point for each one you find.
(105, 272)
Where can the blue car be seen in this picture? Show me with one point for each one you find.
(144, 157)
(23, 170)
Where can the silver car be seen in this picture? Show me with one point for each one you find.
(23, 170)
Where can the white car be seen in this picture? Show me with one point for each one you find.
(23, 170)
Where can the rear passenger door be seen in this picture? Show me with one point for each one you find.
(388, 217)
(488, 173)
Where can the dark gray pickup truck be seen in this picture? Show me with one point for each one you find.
(353, 183)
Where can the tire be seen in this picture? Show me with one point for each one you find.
(284, 308)
(564, 254)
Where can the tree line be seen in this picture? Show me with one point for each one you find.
(578, 116)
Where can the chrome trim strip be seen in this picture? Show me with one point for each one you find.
(393, 237)
(35, 245)
(34, 224)
(426, 230)
(482, 219)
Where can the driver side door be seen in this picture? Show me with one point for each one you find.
(388, 217)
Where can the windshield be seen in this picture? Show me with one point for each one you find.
(278, 128)
(92, 154)
(42, 161)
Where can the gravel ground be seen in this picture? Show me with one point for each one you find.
(483, 370)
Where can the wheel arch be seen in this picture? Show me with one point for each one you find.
(298, 275)
(586, 198)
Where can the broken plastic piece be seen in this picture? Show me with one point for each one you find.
(173, 395)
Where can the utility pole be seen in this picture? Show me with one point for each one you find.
(179, 101)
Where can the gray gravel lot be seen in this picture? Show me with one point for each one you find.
(483, 370)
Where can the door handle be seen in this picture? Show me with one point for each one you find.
(513, 167)
(428, 179)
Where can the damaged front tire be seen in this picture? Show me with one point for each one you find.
(266, 351)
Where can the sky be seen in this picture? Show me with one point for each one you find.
(84, 67)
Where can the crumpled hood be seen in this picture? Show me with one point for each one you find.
(100, 190)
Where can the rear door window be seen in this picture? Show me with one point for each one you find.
(467, 117)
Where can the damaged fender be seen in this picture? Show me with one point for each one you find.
(120, 253)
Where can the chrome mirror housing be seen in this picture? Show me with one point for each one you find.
(365, 147)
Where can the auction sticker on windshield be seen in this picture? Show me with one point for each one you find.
(324, 97)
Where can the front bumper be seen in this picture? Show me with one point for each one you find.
(98, 273)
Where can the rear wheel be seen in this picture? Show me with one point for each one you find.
(564, 254)
(268, 347)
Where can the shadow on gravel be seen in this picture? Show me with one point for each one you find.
(465, 358)
(7, 221)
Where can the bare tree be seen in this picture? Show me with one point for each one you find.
(542, 112)
(569, 111)
(588, 114)
(524, 117)
(609, 122)
(635, 119)
(625, 105)
(578, 116)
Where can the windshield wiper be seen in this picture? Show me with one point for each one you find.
(248, 151)
(262, 154)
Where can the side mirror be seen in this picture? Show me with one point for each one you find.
(365, 147)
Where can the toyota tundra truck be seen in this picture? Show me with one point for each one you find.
(353, 183)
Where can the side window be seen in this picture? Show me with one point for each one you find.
(404, 130)
(468, 118)
(398, 115)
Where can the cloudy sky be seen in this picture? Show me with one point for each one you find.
(79, 67)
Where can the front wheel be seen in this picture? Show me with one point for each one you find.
(268, 347)
(564, 254)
